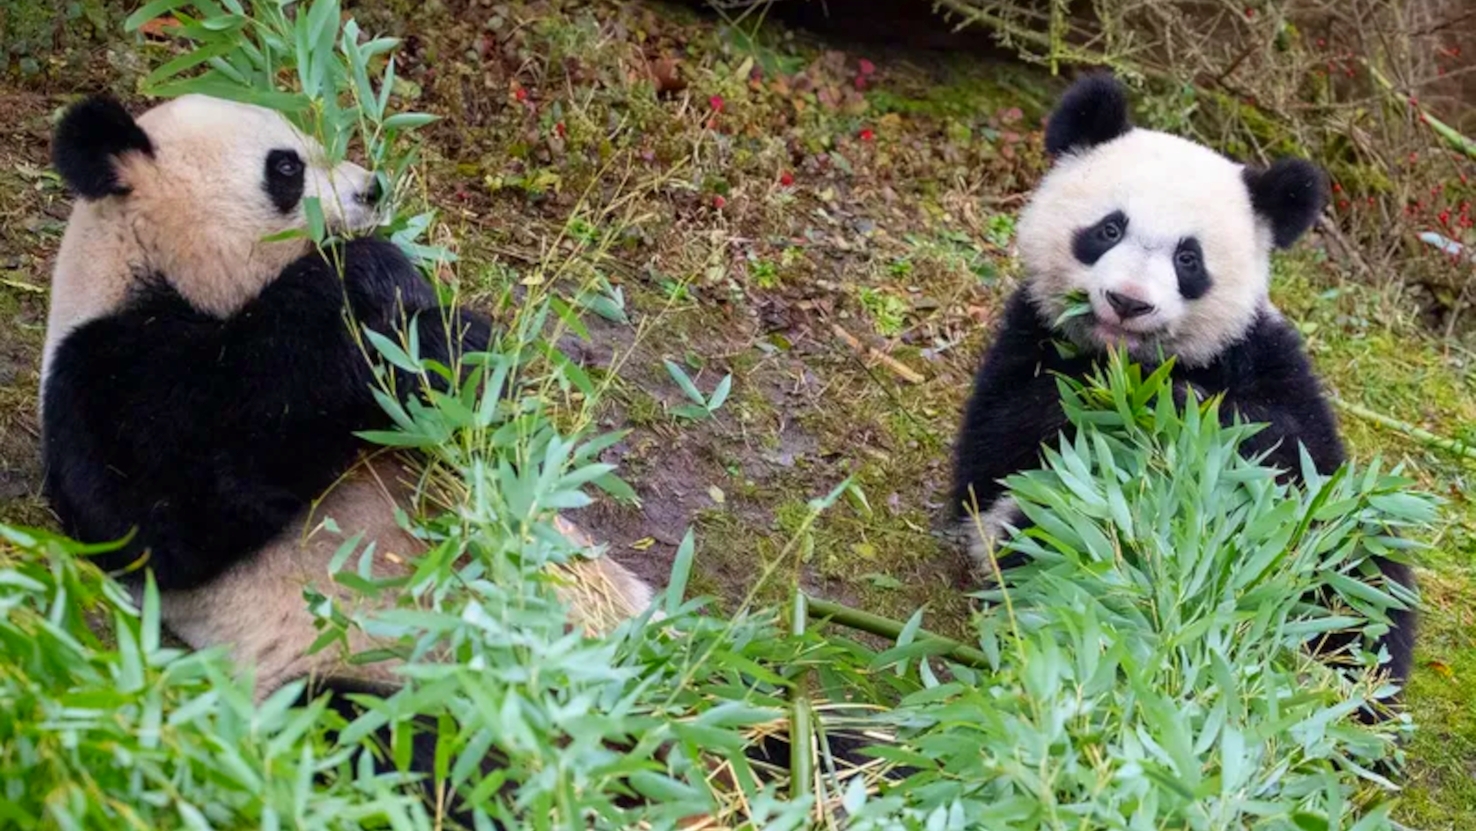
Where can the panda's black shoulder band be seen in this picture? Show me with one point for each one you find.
(90, 137)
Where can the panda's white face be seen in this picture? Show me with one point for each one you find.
(190, 191)
(222, 179)
(1160, 235)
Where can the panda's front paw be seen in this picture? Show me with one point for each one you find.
(381, 280)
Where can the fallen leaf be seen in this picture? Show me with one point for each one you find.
(666, 75)
(155, 28)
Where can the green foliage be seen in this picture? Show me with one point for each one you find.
(702, 406)
(241, 55)
(1148, 668)
(888, 312)
(103, 726)
(1000, 230)
(1113, 684)
(32, 30)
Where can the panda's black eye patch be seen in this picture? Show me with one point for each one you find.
(1194, 279)
(1090, 243)
(284, 179)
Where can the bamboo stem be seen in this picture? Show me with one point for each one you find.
(892, 629)
(801, 730)
(1425, 437)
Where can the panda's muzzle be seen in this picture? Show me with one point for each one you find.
(1128, 307)
(371, 196)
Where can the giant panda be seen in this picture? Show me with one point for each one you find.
(1171, 243)
(201, 389)
(201, 385)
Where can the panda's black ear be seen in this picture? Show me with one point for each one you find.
(90, 137)
(1289, 195)
(1094, 110)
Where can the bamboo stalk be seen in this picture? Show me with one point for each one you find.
(1425, 437)
(801, 730)
(892, 629)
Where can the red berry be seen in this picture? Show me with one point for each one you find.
(716, 102)
(1343, 204)
(1250, 14)
(559, 128)
(718, 201)
(1337, 188)
(786, 178)
(867, 67)
(520, 94)
(867, 134)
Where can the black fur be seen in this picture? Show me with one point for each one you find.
(1093, 111)
(283, 179)
(1266, 377)
(1189, 268)
(1289, 194)
(212, 435)
(88, 141)
(1090, 243)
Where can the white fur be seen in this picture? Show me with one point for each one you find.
(258, 608)
(1169, 188)
(985, 534)
(197, 213)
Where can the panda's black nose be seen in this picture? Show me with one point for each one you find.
(1128, 307)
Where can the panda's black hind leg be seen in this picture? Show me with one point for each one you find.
(1398, 642)
(422, 743)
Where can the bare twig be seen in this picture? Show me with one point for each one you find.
(898, 368)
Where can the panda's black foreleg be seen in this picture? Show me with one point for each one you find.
(387, 293)
(1015, 406)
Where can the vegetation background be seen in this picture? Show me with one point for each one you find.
(817, 204)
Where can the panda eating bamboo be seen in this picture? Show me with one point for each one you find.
(1170, 243)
